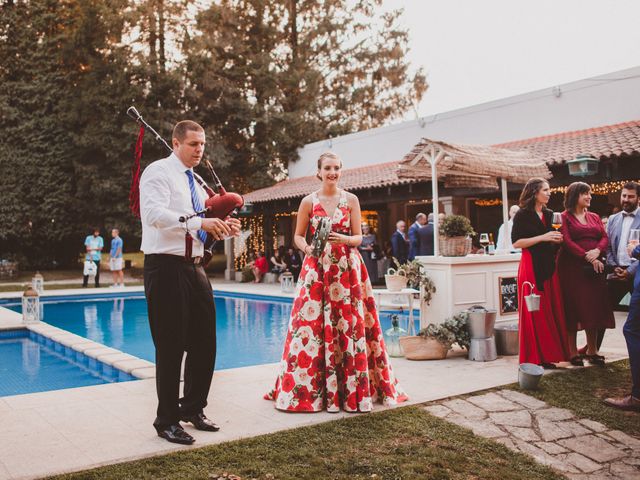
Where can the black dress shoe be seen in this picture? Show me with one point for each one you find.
(201, 422)
(548, 366)
(175, 434)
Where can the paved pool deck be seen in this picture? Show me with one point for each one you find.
(69, 430)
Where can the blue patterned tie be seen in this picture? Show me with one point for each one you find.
(197, 205)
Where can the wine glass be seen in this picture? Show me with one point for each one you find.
(556, 220)
(634, 237)
(484, 241)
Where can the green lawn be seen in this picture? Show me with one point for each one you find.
(582, 391)
(404, 443)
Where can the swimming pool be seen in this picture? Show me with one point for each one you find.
(32, 363)
(250, 329)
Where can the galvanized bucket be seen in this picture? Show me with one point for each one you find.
(532, 300)
(529, 376)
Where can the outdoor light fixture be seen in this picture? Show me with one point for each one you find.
(583, 166)
(30, 306)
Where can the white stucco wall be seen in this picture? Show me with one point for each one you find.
(593, 102)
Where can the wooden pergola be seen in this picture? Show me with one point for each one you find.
(471, 166)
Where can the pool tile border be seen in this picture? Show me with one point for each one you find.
(99, 352)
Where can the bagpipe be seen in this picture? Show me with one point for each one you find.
(219, 204)
(320, 236)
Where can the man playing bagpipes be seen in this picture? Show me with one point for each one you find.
(179, 296)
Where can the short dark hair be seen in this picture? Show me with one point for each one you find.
(573, 193)
(528, 196)
(181, 129)
(632, 186)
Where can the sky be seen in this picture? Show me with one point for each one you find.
(474, 51)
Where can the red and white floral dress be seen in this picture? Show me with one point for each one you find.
(334, 354)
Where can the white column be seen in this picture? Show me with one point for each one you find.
(505, 210)
(447, 203)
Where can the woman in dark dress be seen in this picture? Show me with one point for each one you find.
(368, 251)
(543, 335)
(581, 270)
(294, 263)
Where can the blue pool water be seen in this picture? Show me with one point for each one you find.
(250, 330)
(32, 363)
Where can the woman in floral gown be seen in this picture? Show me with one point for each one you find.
(334, 355)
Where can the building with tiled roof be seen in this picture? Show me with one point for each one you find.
(385, 197)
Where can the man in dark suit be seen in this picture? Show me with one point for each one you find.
(425, 237)
(421, 220)
(620, 282)
(400, 242)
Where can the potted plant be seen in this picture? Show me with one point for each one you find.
(434, 341)
(455, 236)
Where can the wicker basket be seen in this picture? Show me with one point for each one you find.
(423, 348)
(454, 246)
(395, 283)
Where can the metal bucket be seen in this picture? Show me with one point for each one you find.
(482, 349)
(532, 300)
(480, 321)
(507, 341)
(529, 376)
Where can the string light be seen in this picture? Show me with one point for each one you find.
(255, 241)
(599, 188)
(482, 202)
(370, 217)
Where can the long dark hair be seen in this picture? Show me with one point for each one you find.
(572, 195)
(528, 196)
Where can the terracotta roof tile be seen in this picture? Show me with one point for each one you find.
(378, 175)
(601, 142)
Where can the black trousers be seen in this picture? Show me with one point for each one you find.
(85, 278)
(617, 290)
(182, 318)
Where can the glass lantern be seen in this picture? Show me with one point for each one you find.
(392, 338)
(37, 283)
(30, 306)
(286, 282)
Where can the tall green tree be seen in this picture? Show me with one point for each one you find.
(63, 80)
(268, 76)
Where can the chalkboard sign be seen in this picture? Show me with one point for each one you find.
(508, 288)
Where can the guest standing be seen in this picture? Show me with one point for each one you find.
(421, 220)
(631, 332)
(425, 237)
(504, 240)
(94, 245)
(400, 243)
(368, 251)
(620, 282)
(581, 271)
(294, 263)
(543, 336)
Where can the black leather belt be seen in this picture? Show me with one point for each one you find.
(179, 258)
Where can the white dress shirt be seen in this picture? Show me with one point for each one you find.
(623, 257)
(164, 197)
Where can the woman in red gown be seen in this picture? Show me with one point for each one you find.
(543, 335)
(334, 354)
(581, 270)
